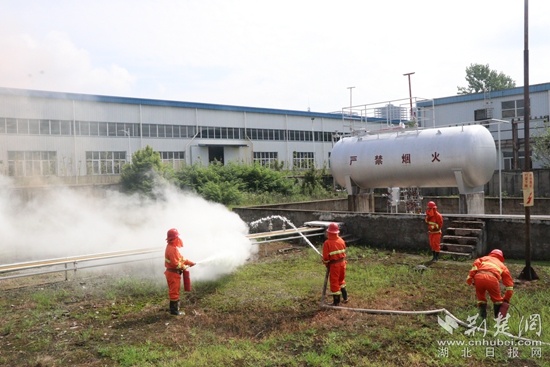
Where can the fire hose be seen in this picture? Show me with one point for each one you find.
(447, 313)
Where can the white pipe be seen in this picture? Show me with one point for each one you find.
(285, 220)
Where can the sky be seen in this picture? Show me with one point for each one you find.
(316, 55)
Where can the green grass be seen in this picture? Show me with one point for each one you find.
(267, 313)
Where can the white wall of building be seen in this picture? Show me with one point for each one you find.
(76, 127)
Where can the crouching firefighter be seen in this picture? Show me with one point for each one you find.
(176, 266)
(486, 274)
(334, 257)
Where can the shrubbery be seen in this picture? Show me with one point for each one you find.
(230, 184)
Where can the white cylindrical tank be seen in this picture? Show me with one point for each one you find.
(416, 158)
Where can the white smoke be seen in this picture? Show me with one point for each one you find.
(63, 222)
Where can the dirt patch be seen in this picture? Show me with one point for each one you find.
(271, 249)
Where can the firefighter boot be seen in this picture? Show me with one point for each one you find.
(482, 310)
(436, 256)
(336, 300)
(344, 295)
(496, 308)
(433, 256)
(174, 308)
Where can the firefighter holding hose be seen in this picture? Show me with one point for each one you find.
(334, 257)
(486, 274)
(434, 219)
(176, 266)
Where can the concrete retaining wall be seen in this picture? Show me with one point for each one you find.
(407, 232)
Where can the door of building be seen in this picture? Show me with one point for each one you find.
(215, 153)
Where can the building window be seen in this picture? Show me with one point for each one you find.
(82, 128)
(169, 131)
(175, 159)
(32, 163)
(105, 163)
(279, 135)
(11, 126)
(303, 160)
(23, 126)
(122, 129)
(511, 109)
(44, 127)
(102, 126)
(508, 160)
(161, 131)
(65, 127)
(94, 128)
(112, 129)
(483, 114)
(34, 127)
(268, 159)
(252, 134)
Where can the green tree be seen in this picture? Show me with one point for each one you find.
(145, 173)
(481, 78)
(541, 145)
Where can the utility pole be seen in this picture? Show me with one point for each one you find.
(350, 99)
(410, 96)
(350, 107)
(528, 273)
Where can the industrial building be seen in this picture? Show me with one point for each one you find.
(86, 139)
(502, 113)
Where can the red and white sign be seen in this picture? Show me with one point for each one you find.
(528, 192)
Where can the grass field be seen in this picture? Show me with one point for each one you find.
(268, 313)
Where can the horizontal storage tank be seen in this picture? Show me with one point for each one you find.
(416, 158)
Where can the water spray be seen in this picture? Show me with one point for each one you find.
(208, 259)
(284, 220)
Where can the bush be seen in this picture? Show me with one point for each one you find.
(233, 183)
(224, 193)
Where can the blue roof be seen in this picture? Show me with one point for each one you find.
(163, 103)
(481, 96)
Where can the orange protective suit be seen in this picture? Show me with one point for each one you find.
(485, 275)
(334, 257)
(435, 223)
(175, 265)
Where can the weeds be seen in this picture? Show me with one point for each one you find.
(267, 314)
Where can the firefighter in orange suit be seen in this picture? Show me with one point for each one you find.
(485, 275)
(435, 223)
(175, 265)
(334, 257)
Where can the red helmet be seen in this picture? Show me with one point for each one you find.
(431, 205)
(172, 233)
(498, 254)
(333, 228)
